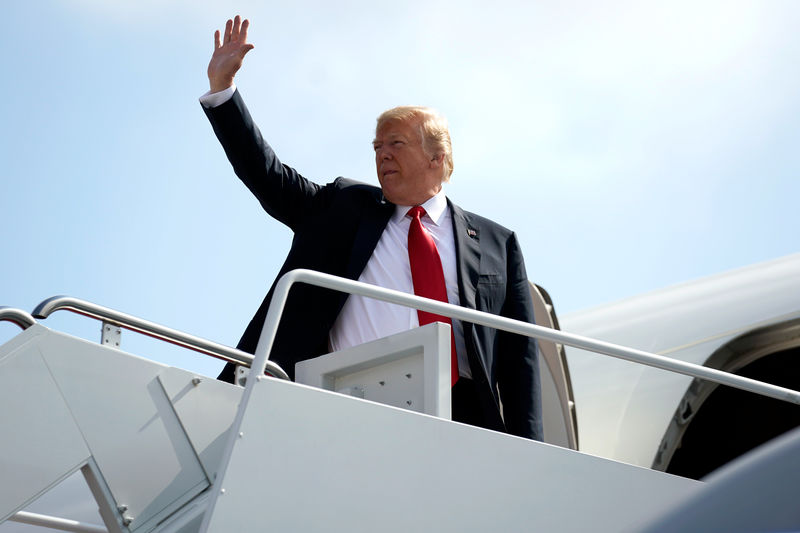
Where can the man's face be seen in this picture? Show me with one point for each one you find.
(407, 174)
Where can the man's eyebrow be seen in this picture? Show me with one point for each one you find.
(391, 136)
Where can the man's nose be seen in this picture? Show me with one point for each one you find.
(384, 154)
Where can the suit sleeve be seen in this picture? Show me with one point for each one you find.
(518, 364)
(282, 191)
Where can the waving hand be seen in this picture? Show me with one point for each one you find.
(229, 51)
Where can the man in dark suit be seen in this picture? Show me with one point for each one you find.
(358, 231)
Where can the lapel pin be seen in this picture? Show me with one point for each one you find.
(472, 233)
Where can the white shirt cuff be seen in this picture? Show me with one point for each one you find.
(211, 100)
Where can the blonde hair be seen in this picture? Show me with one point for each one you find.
(433, 130)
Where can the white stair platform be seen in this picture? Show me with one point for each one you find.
(312, 460)
(162, 452)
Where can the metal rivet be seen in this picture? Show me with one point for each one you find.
(222, 491)
(408, 376)
(382, 383)
(196, 381)
(408, 402)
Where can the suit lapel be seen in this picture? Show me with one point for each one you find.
(468, 254)
(367, 236)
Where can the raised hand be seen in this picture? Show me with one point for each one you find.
(229, 51)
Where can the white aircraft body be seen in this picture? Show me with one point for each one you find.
(746, 321)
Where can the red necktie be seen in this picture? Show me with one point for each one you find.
(428, 277)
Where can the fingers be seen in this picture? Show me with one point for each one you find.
(246, 47)
(235, 30)
(228, 28)
(216, 40)
(237, 23)
(243, 33)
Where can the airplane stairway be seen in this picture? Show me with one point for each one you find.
(165, 450)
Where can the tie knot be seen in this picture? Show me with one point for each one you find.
(416, 212)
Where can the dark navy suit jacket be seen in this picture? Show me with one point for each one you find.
(336, 228)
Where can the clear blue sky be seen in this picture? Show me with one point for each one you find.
(631, 146)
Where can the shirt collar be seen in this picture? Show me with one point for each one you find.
(435, 207)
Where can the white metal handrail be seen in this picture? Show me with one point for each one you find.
(17, 316)
(151, 329)
(54, 522)
(328, 281)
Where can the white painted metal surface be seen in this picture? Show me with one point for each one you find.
(409, 370)
(71, 499)
(343, 464)
(36, 451)
(151, 433)
(149, 437)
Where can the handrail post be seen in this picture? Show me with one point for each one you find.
(270, 328)
(110, 335)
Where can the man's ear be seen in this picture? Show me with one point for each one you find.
(437, 160)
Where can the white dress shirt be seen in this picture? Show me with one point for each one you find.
(366, 319)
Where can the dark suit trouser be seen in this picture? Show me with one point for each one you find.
(466, 407)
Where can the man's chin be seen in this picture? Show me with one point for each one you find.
(392, 195)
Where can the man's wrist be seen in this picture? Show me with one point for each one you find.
(216, 98)
(218, 86)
